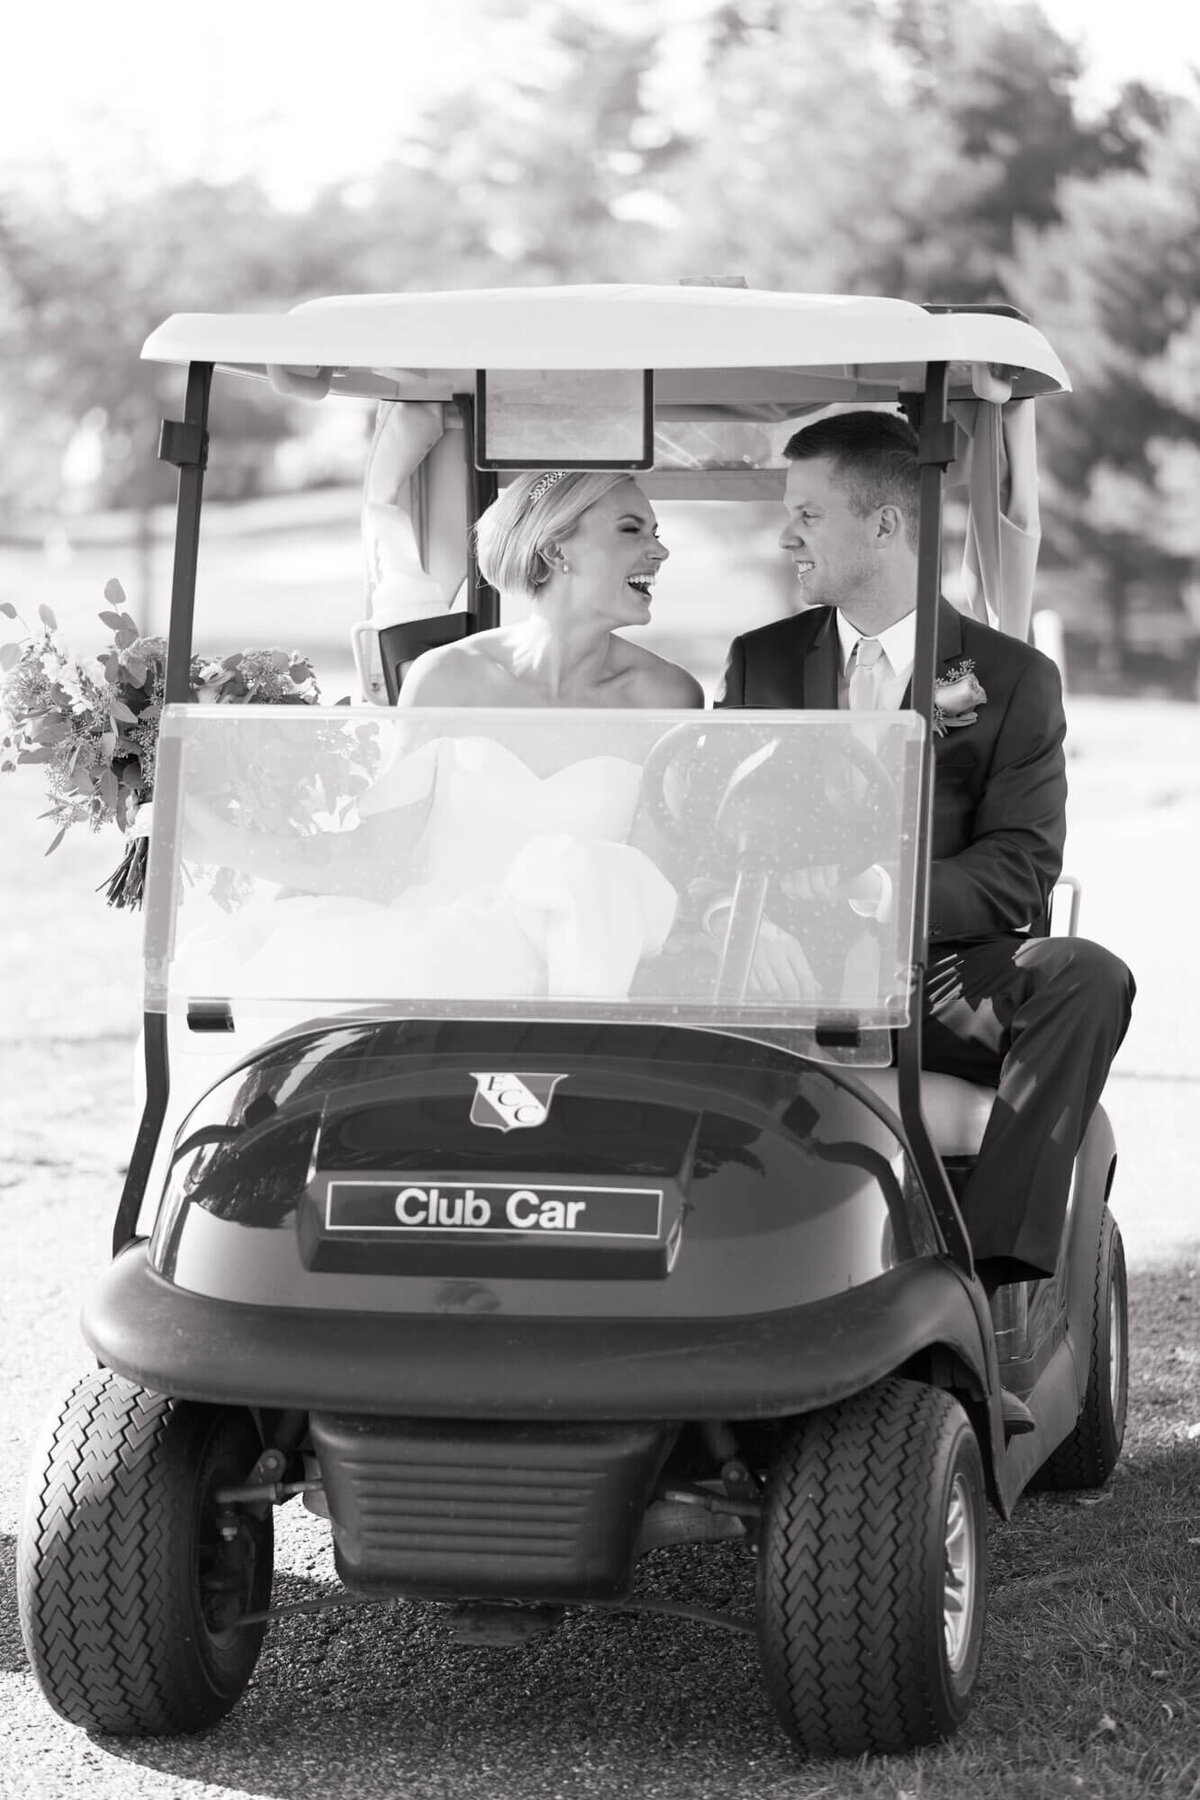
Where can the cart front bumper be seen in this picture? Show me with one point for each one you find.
(471, 1365)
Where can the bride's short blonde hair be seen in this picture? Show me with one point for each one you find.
(528, 516)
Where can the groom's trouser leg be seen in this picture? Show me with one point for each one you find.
(1040, 1019)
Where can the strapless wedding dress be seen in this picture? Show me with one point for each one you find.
(524, 886)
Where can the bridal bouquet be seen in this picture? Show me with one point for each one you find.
(93, 722)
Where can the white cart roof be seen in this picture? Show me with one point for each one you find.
(727, 345)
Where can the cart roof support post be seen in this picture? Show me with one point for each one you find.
(483, 602)
(935, 453)
(183, 442)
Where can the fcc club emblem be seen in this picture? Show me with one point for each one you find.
(512, 1102)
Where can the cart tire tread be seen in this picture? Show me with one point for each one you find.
(104, 1576)
(846, 1573)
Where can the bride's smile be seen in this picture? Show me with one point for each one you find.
(606, 568)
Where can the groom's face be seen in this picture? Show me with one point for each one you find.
(828, 542)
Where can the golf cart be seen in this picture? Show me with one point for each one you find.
(480, 1200)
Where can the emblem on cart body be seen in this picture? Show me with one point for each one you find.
(513, 1102)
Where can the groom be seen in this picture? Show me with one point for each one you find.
(1039, 1019)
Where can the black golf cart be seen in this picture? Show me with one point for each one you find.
(479, 1202)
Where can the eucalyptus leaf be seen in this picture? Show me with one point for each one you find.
(8, 609)
(50, 730)
(47, 617)
(10, 656)
(114, 593)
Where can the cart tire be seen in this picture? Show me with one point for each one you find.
(1089, 1455)
(872, 1575)
(129, 1594)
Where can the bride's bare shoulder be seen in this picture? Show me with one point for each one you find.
(470, 672)
(657, 682)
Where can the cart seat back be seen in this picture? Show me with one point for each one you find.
(400, 645)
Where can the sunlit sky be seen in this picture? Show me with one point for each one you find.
(140, 90)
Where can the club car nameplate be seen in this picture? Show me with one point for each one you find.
(426, 1224)
(493, 1209)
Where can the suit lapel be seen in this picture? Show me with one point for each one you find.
(949, 642)
(820, 667)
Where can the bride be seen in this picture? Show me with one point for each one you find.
(582, 550)
(475, 871)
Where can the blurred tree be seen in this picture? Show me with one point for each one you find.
(86, 291)
(894, 149)
(547, 172)
(81, 294)
(1007, 83)
(807, 171)
(1116, 286)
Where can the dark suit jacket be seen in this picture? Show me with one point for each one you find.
(1000, 785)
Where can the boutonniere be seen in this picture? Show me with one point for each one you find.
(957, 696)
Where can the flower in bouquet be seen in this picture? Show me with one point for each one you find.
(93, 722)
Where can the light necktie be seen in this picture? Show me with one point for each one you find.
(862, 691)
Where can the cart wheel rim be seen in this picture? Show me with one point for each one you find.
(226, 1577)
(960, 1582)
(228, 1557)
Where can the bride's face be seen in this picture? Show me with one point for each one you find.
(613, 555)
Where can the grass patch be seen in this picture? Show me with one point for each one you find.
(1092, 1677)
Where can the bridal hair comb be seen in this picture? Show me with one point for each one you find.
(543, 485)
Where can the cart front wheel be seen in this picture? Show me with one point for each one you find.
(132, 1579)
(873, 1573)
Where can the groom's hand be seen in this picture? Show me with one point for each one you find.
(812, 884)
(865, 892)
(779, 969)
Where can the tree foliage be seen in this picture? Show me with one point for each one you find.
(935, 149)
(1116, 283)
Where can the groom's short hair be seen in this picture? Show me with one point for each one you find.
(875, 457)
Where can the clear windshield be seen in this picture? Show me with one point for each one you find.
(733, 870)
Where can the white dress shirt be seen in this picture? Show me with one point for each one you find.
(899, 646)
